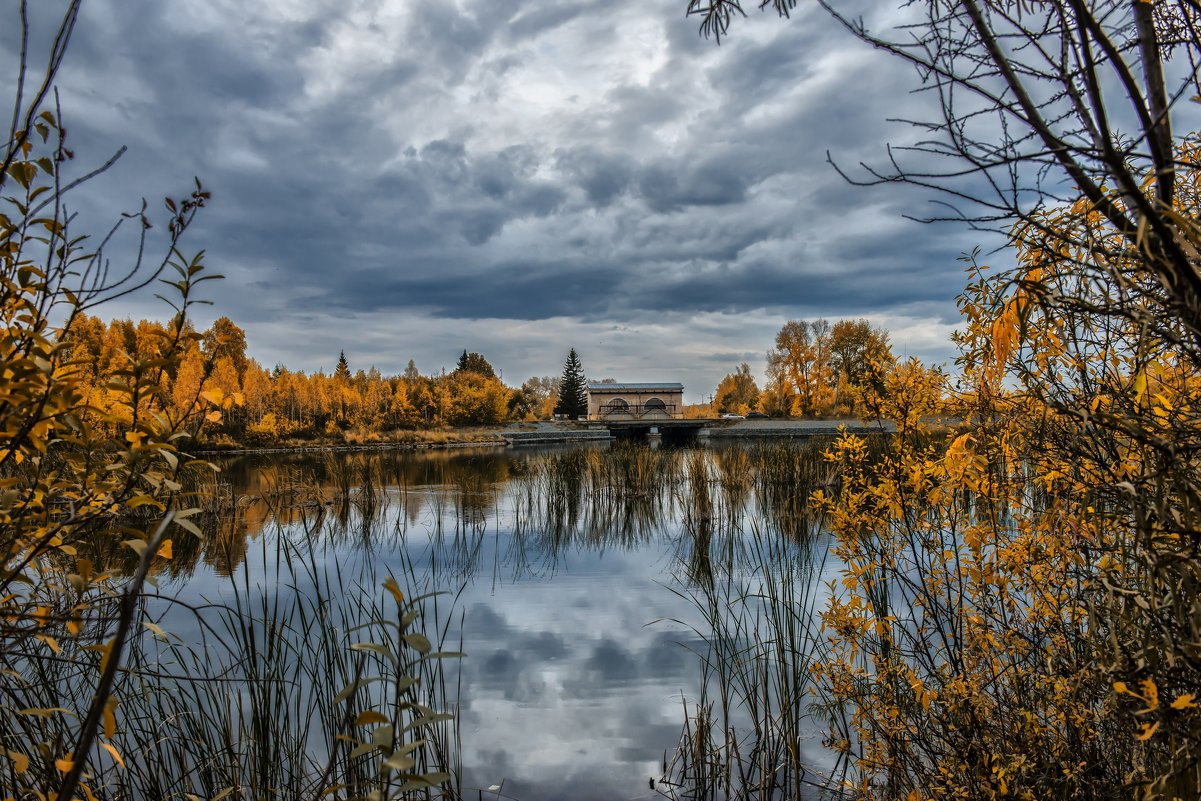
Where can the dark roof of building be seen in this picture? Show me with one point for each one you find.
(628, 387)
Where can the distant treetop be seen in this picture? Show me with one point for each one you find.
(474, 363)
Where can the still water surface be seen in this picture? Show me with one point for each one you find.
(573, 576)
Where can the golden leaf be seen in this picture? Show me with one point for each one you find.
(1185, 701)
(110, 718)
(391, 586)
(114, 753)
(156, 628)
(19, 760)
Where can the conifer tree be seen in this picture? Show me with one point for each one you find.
(342, 371)
(573, 389)
(474, 363)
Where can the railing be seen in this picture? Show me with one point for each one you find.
(635, 411)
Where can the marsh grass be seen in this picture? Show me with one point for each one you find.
(754, 555)
(307, 676)
(594, 497)
(301, 657)
(750, 732)
(247, 695)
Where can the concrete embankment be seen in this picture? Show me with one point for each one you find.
(551, 433)
(555, 437)
(787, 429)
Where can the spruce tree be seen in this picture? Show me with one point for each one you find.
(475, 363)
(573, 389)
(342, 371)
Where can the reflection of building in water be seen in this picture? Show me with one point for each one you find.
(654, 401)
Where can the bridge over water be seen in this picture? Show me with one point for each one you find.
(674, 431)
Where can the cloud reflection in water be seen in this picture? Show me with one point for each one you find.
(571, 567)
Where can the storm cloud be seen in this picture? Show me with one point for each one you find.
(408, 179)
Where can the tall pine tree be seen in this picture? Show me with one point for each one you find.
(342, 371)
(573, 389)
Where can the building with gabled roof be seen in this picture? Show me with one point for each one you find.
(635, 401)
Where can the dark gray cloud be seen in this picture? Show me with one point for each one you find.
(549, 162)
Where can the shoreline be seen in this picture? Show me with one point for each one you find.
(545, 432)
(348, 448)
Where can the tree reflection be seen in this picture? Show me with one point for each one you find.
(544, 503)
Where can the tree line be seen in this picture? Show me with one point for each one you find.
(277, 404)
(816, 369)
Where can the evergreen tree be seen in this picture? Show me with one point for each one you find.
(342, 371)
(573, 389)
(474, 363)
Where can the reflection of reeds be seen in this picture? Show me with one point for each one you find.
(589, 496)
(785, 476)
(252, 705)
(744, 736)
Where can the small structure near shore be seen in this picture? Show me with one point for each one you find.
(624, 401)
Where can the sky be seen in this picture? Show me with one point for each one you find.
(408, 179)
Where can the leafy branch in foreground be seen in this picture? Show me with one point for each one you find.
(1019, 610)
(1018, 607)
(61, 485)
(81, 485)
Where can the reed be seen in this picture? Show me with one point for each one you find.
(751, 733)
(306, 680)
(754, 556)
(251, 704)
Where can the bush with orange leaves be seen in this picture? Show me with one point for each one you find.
(1020, 610)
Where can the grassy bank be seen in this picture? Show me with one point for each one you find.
(446, 438)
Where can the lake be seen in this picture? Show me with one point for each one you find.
(593, 590)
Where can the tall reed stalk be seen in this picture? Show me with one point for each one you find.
(304, 679)
(754, 572)
(752, 731)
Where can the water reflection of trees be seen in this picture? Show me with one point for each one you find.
(733, 519)
(539, 505)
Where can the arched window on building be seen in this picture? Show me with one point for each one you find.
(655, 405)
(616, 406)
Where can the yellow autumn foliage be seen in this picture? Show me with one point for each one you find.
(1020, 604)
